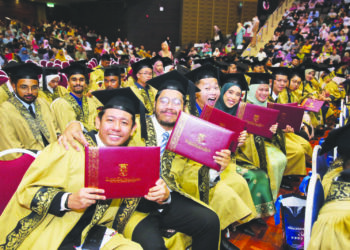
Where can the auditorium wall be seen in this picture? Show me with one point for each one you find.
(17, 9)
(199, 17)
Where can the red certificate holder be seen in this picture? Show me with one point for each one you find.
(123, 172)
(198, 140)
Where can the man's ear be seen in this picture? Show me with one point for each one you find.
(97, 122)
(133, 129)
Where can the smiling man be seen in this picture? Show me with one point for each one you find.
(142, 70)
(53, 210)
(75, 106)
(26, 121)
(206, 79)
(280, 81)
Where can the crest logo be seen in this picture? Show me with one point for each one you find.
(256, 118)
(201, 138)
(123, 169)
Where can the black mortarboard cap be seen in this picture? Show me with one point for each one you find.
(204, 61)
(47, 72)
(124, 57)
(176, 81)
(259, 78)
(76, 68)
(237, 78)
(23, 71)
(338, 137)
(156, 58)
(8, 67)
(167, 61)
(171, 80)
(106, 57)
(280, 71)
(181, 69)
(123, 99)
(257, 62)
(299, 71)
(137, 66)
(203, 72)
(112, 71)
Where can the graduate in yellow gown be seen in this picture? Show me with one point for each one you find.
(205, 234)
(331, 229)
(50, 88)
(142, 70)
(53, 210)
(298, 150)
(20, 127)
(75, 106)
(96, 76)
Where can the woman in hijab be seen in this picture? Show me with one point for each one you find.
(61, 56)
(258, 180)
(23, 54)
(267, 154)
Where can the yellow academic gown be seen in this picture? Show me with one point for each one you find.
(5, 93)
(147, 100)
(60, 91)
(96, 76)
(298, 151)
(172, 167)
(55, 170)
(331, 229)
(335, 93)
(20, 130)
(66, 109)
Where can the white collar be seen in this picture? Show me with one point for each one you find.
(99, 141)
(159, 130)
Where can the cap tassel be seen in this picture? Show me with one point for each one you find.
(143, 122)
(191, 92)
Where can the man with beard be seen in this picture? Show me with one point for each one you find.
(112, 77)
(26, 121)
(183, 212)
(75, 106)
(53, 210)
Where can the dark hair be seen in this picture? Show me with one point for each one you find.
(103, 111)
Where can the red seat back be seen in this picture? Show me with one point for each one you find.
(11, 173)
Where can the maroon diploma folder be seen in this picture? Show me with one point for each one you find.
(289, 115)
(122, 171)
(198, 140)
(312, 105)
(224, 120)
(259, 119)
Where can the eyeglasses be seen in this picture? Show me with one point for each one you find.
(146, 73)
(165, 101)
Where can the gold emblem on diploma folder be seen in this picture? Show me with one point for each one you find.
(123, 169)
(201, 139)
(256, 118)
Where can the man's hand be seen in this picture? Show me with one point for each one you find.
(242, 138)
(159, 193)
(288, 129)
(84, 198)
(273, 128)
(71, 135)
(223, 158)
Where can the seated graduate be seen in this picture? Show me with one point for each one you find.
(181, 211)
(206, 78)
(298, 150)
(268, 155)
(26, 120)
(331, 229)
(50, 88)
(258, 180)
(52, 209)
